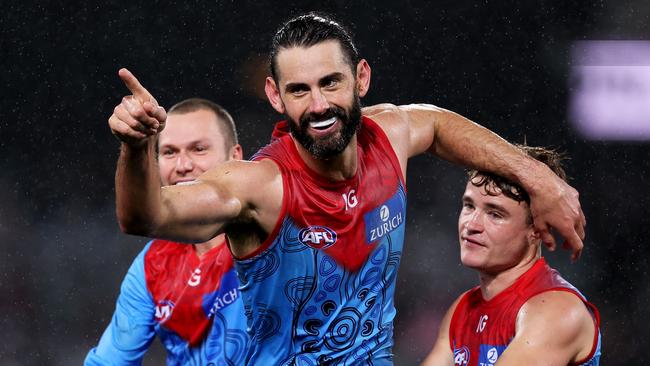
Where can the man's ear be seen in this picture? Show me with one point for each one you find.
(273, 94)
(363, 77)
(236, 152)
(534, 236)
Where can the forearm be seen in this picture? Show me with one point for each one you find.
(461, 141)
(137, 189)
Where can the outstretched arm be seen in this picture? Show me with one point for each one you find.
(190, 213)
(553, 328)
(417, 128)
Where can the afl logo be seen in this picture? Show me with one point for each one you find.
(318, 237)
(461, 356)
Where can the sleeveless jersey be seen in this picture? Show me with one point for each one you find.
(480, 331)
(319, 291)
(191, 303)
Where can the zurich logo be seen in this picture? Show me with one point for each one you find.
(384, 213)
(318, 237)
(492, 355)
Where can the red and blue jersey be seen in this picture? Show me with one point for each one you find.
(480, 330)
(191, 303)
(320, 288)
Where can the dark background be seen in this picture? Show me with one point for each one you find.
(504, 64)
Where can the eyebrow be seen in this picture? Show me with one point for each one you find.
(191, 143)
(488, 205)
(322, 81)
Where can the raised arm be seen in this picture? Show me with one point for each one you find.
(417, 128)
(553, 328)
(188, 213)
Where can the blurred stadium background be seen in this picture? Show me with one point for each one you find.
(574, 75)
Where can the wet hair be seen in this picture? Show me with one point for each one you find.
(495, 184)
(224, 119)
(308, 30)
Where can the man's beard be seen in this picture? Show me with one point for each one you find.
(325, 148)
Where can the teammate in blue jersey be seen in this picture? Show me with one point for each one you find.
(316, 221)
(187, 295)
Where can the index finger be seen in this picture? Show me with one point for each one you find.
(134, 86)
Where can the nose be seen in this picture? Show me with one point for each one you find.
(319, 103)
(474, 222)
(184, 164)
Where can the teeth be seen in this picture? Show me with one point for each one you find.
(325, 123)
(187, 183)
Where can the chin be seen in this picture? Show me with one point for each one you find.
(471, 261)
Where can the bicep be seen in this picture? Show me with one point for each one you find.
(423, 121)
(552, 329)
(199, 211)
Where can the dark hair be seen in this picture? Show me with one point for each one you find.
(494, 184)
(307, 30)
(224, 119)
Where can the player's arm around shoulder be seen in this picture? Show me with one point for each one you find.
(235, 191)
(553, 328)
(394, 121)
(411, 128)
(442, 354)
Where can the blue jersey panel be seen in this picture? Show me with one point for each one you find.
(310, 310)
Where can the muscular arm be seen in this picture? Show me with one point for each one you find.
(236, 191)
(186, 213)
(442, 354)
(418, 128)
(553, 328)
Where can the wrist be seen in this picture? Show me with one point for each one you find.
(537, 178)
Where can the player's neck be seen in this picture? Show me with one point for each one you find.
(203, 248)
(340, 167)
(493, 284)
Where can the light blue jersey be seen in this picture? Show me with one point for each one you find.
(320, 290)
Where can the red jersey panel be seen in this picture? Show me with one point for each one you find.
(184, 286)
(480, 330)
(344, 205)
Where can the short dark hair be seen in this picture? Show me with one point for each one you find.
(224, 119)
(495, 184)
(310, 29)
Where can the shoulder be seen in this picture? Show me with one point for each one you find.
(460, 303)
(390, 117)
(558, 318)
(564, 309)
(394, 122)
